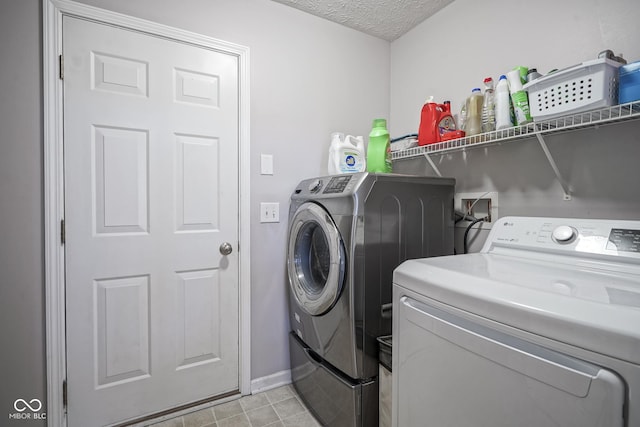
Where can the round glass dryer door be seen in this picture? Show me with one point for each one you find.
(315, 259)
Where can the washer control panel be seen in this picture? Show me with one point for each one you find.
(624, 239)
(567, 235)
(330, 186)
(337, 184)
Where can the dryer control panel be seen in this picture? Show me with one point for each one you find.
(569, 236)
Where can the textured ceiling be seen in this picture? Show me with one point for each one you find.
(386, 19)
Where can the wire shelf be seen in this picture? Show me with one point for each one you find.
(605, 115)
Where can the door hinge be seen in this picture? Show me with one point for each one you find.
(62, 232)
(64, 393)
(61, 65)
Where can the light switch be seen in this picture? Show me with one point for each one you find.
(270, 212)
(266, 164)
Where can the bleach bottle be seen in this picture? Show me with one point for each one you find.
(346, 154)
(503, 104)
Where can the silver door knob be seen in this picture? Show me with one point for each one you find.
(226, 248)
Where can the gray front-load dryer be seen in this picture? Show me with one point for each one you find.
(347, 233)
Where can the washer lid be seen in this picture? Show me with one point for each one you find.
(315, 259)
(578, 301)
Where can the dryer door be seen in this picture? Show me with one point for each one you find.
(315, 259)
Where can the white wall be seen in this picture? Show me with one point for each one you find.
(22, 358)
(309, 77)
(453, 51)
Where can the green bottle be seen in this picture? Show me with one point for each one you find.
(379, 149)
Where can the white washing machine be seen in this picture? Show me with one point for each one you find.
(539, 329)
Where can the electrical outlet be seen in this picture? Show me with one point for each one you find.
(478, 205)
(270, 212)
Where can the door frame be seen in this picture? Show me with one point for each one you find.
(53, 12)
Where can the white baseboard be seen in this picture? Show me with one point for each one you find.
(270, 381)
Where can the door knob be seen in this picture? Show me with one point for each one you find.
(226, 248)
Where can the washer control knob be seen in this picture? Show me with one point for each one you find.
(315, 186)
(564, 234)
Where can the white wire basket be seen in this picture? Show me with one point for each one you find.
(587, 86)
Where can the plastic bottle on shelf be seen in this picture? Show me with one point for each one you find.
(532, 74)
(519, 98)
(523, 73)
(503, 104)
(379, 149)
(337, 139)
(462, 117)
(473, 122)
(488, 107)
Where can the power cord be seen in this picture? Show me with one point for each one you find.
(463, 216)
(466, 233)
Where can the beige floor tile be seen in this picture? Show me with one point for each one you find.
(304, 419)
(227, 410)
(262, 416)
(199, 418)
(279, 394)
(279, 407)
(253, 402)
(235, 421)
(289, 407)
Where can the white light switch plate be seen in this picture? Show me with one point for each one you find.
(270, 212)
(266, 164)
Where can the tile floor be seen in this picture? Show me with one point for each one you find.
(279, 407)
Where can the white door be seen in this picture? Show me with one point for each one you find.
(151, 193)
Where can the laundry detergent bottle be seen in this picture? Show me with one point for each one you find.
(346, 154)
(435, 121)
(379, 149)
